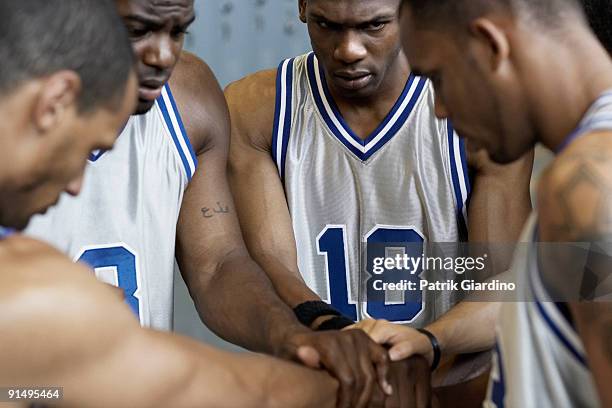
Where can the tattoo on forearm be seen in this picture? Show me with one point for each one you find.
(220, 209)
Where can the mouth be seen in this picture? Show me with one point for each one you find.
(353, 80)
(150, 90)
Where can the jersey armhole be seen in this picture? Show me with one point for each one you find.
(176, 129)
(460, 176)
(281, 130)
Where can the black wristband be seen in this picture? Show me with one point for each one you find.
(435, 346)
(335, 323)
(310, 311)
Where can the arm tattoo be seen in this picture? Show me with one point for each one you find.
(584, 202)
(220, 209)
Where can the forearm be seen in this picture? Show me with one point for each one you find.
(594, 323)
(288, 284)
(467, 328)
(240, 304)
(221, 379)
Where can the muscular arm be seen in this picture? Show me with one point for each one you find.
(353, 358)
(575, 195)
(498, 208)
(262, 207)
(232, 294)
(62, 327)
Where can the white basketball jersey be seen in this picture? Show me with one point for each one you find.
(540, 360)
(123, 224)
(406, 183)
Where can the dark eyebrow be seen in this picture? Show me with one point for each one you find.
(375, 19)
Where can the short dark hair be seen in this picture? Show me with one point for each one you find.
(544, 11)
(599, 14)
(40, 37)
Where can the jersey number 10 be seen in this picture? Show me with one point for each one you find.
(332, 243)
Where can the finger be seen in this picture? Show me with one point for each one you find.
(337, 364)
(395, 373)
(385, 332)
(370, 377)
(309, 356)
(367, 325)
(380, 358)
(355, 351)
(401, 351)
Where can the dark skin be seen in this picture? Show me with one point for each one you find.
(359, 40)
(210, 250)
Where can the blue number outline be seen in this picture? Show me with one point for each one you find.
(137, 294)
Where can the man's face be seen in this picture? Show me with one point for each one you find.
(157, 29)
(54, 162)
(356, 41)
(484, 101)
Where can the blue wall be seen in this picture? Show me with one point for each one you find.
(237, 37)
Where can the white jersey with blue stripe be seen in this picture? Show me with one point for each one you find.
(540, 360)
(407, 182)
(123, 224)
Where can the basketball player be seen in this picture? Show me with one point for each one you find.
(340, 148)
(511, 73)
(124, 224)
(67, 87)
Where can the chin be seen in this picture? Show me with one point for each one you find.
(144, 106)
(16, 222)
(503, 157)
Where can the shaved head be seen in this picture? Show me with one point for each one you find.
(546, 12)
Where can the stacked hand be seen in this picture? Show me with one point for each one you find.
(362, 368)
(403, 342)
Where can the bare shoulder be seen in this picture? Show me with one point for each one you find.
(39, 285)
(200, 101)
(575, 193)
(251, 102)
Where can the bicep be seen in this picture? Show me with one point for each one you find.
(261, 203)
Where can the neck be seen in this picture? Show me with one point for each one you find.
(582, 72)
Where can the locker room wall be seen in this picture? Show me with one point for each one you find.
(237, 37)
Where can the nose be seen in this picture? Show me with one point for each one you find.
(440, 108)
(160, 53)
(74, 187)
(350, 49)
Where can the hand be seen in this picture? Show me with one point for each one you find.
(411, 381)
(359, 364)
(403, 341)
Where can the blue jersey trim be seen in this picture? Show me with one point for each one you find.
(5, 232)
(185, 150)
(363, 149)
(560, 335)
(546, 316)
(282, 115)
(459, 173)
(498, 391)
